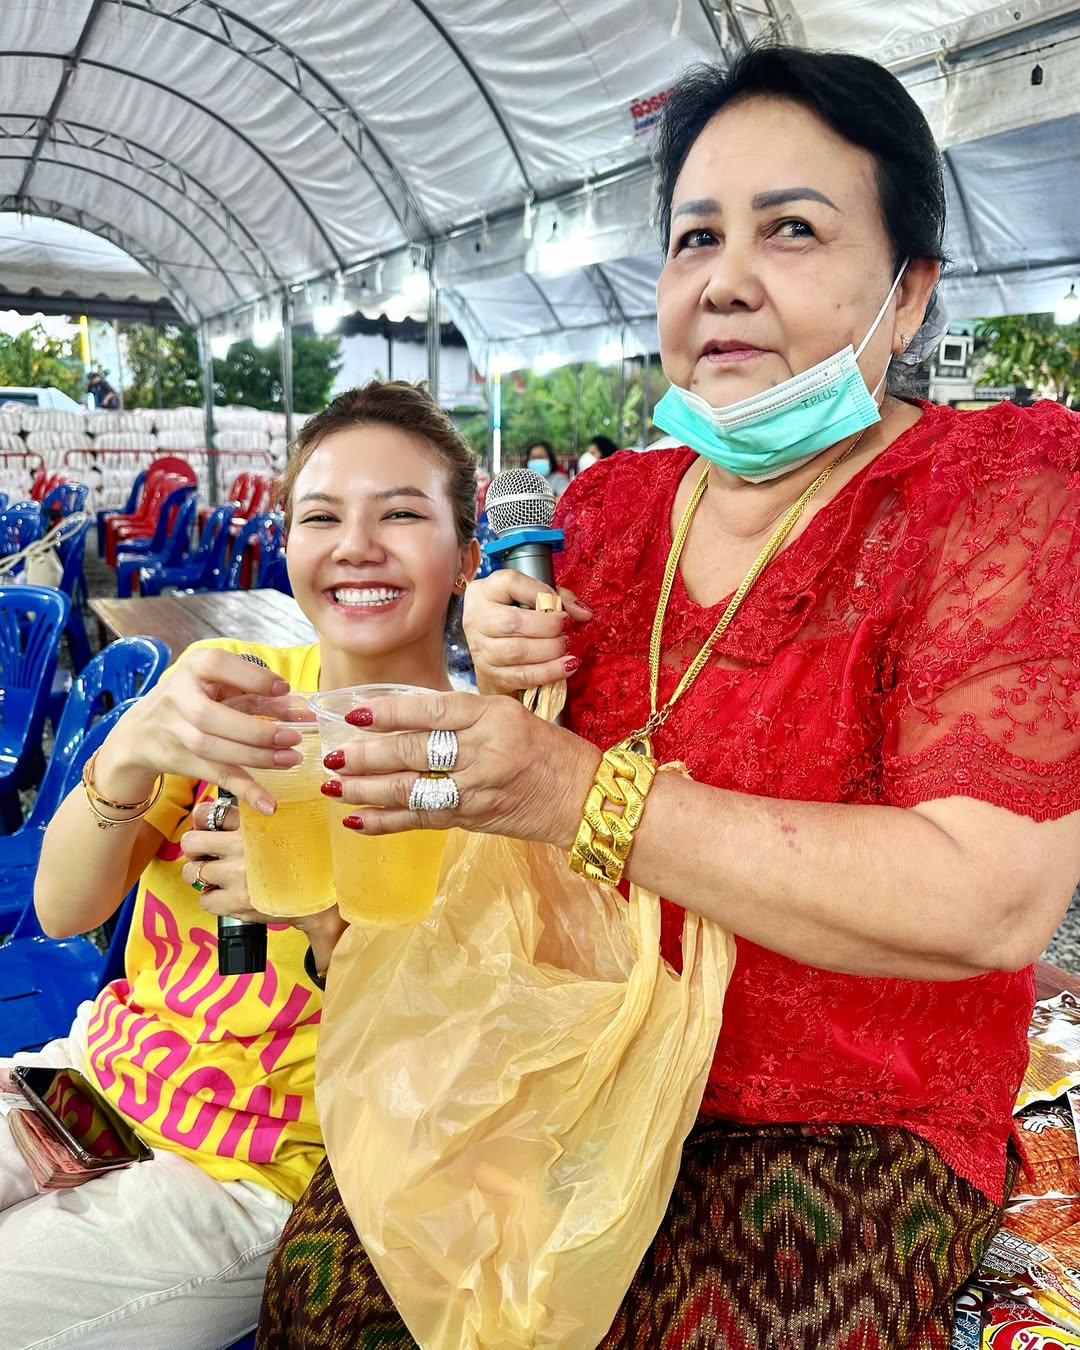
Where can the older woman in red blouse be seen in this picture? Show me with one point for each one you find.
(882, 737)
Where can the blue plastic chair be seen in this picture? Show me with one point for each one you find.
(43, 980)
(174, 533)
(204, 569)
(119, 674)
(32, 620)
(58, 502)
(72, 551)
(20, 524)
(126, 510)
(266, 530)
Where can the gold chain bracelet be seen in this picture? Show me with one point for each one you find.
(605, 836)
(137, 809)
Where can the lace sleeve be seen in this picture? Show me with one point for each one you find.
(986, 698)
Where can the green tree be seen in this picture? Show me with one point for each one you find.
(567, 407)
(169, 353)
(250, 375)
(1031, 349)
(34, 358)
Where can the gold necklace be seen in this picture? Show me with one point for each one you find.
(641, 741)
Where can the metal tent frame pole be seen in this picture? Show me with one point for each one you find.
(206, 369)
(434, 336)
(286, 366)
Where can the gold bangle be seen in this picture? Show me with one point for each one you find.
(605, 836)
(136, 809)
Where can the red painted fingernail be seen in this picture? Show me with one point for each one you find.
(360, 717)
(571, 664)
(334, 760)
(353, 822)
(331, 788)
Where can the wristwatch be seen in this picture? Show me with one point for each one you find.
(317, 977)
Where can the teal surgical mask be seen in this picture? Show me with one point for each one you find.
(769, 434)
(540, 466)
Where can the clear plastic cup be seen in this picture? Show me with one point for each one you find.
(288, 864)
(387, 879)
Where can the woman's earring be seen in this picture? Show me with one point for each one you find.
(904, 340)
(461, 584)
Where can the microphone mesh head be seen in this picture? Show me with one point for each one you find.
(519, 499)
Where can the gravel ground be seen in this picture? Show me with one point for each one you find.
(1064, 949)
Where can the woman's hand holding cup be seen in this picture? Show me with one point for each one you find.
(183, 727)
(216, 858)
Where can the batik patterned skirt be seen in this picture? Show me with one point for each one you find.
(776, 1238)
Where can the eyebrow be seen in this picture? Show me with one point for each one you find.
(764, 201)
(331, 500)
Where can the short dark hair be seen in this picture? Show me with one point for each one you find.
(605, 446)
(859, 99)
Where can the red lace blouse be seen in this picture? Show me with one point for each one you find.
(919, 640)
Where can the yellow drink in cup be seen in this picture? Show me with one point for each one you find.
(386, 879)
(288, 863)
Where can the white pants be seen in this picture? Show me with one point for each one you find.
(158, 1256)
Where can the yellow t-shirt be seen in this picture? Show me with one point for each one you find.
(220, 1069)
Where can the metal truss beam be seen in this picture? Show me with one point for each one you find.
(209, 112)
(51, 209)
(87, 138)
(152, 201)
(250, 42)
(737, 23)
(481, 88)
(71, 64)
(601, 284)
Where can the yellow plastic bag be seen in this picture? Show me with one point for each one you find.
(504, 1091)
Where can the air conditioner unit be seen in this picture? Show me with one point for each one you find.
(954, 351)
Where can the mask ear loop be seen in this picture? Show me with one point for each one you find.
(874, 327)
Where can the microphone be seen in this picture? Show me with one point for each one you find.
(241, 946)
(520, 508)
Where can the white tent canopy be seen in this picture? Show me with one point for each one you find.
(251, 152)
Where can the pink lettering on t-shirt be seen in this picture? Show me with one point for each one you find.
(203, 961)
(284, 1026)
(176, 1053)
(266, 1129)
(160, 930)
(240, 984)
(222, 1090)
(129, 1025)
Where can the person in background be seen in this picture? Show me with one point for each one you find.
(541, 459)
(600, 447)
(101, 391)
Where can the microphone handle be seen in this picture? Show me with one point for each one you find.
(532, 558)
(241, 945)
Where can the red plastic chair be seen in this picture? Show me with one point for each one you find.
(143, 523)
(237, 493)
(44, 482)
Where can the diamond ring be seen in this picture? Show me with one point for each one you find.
(442, 751)
(434, 794)
(219, 809)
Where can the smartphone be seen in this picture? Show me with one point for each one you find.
(78, 1115)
